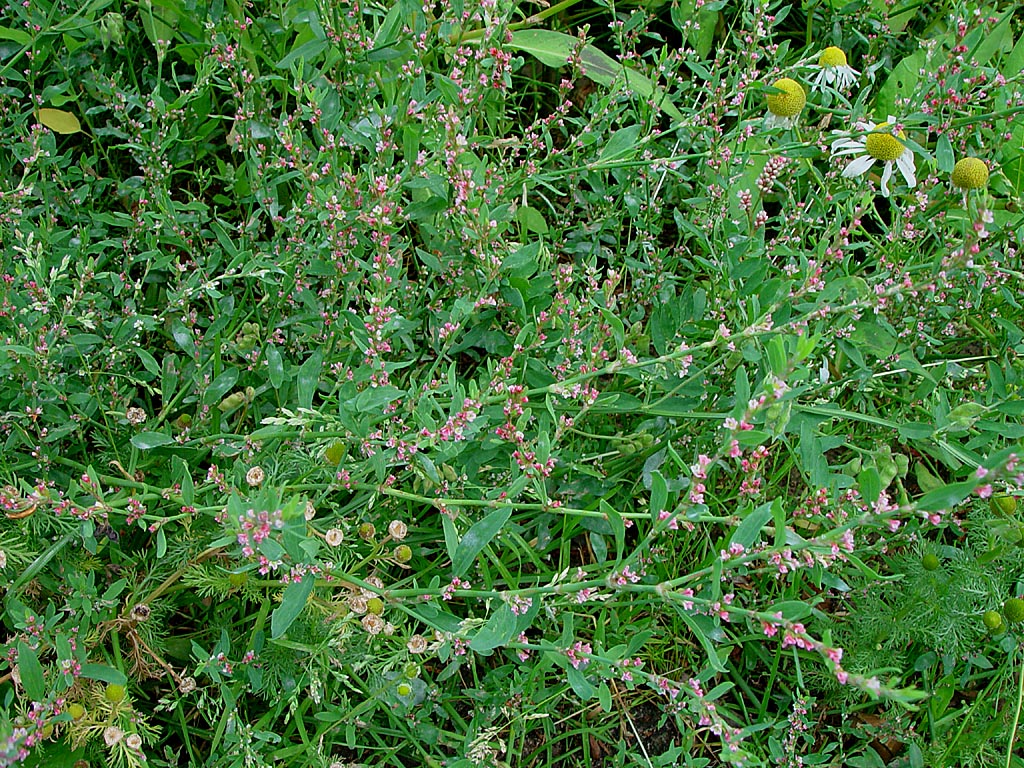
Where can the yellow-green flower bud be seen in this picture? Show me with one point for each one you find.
(970, 173)
(114, 693)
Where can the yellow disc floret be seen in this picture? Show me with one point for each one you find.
(790, 102)
(970, 173)
(832, 57)
(882, 145)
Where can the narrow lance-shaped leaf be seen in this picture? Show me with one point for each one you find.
(476, 538)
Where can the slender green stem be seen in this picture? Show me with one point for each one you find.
(1016, 715)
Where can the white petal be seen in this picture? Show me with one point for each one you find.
(858, 166)
(846, 146)
(886, 175)
(905, 163)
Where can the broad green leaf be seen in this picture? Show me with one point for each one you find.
(579, 683)
(148, 361)
(555, 48)
(157, 20)
(309, 377)
(275, 367)
(1015, 60)
(183, 337)
(870, 485)
(31, 672)
(18, 36)
(944, 154)
(532, 220)
(791, 610)
(746, 533)
(477, 537)
(220, 386)
(59, 121)
(659, 494)
(498, 630)
(307, 51)
(144, 441)
(946, 497)
(622, 144)
(900, 84)
(292, 602)
(998, 39)
(104, 674)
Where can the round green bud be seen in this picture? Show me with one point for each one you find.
(970, 173)
(403, 553)
(930, 562)
(335, 452)
(1013, 610)
(47, 730)
(992, 620)
(367, 531)
(76, 710)
(114, 693)
(375, 606)
(1003, 504)
(411, 670)
(404, 689)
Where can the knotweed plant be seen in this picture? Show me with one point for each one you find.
(489, 383)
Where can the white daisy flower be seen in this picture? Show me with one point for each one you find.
(833, 70)
(884, 143)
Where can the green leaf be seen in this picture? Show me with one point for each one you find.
(498, 630)
(1000, 38)
(870, 485)
(900, 84)
(791, 610)
(620, 145)
(292, 602)
(697, 626)
(18, 36)
(148, 361)
(746, 533)
(183, 337)
(31, 672)
(532, 220)
(1014, 61)
(944, 154)
(579, 683)
(275, 367)
(916, 430)
(659, 494)
(157, 18)
(59, 121)
(307, 51)
(946, 497)
(144, 441)
(555, 48)
(104, 674)
(477, 537)
(309, 377)
(220, 386)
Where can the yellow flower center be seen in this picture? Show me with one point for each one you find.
(832, 57)
(970, 173)
(882, 145)
(790, 101)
